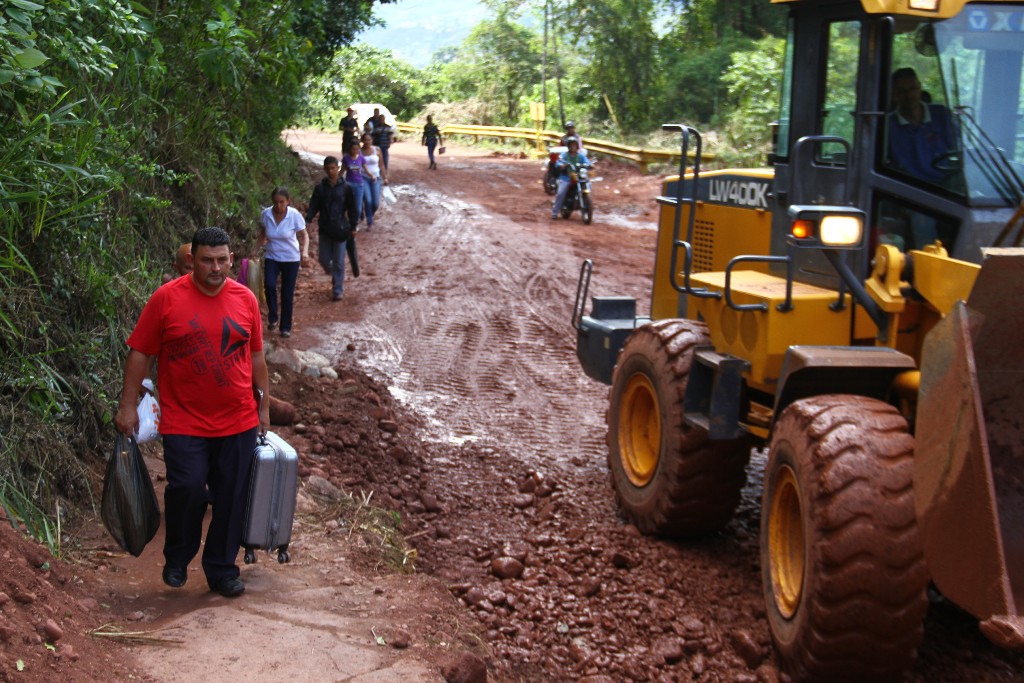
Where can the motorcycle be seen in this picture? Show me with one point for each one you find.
(578, 196)
(551, 173)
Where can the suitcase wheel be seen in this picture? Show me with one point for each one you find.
(250, 556)
(283, 556)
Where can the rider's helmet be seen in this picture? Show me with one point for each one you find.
(569, 124)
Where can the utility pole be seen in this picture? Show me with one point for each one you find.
(544, 61)
(558, 74)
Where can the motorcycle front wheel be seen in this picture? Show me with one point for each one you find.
(586, 210)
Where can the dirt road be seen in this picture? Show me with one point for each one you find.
(461, 405)
(463, 312)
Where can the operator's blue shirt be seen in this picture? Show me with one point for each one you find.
(914, 147)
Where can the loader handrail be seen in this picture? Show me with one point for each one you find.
(691, 201)
(785, 306)
(582, 288)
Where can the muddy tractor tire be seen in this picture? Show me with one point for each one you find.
(842, 568)
(668, 477)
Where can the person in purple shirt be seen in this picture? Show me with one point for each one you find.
(354, 168)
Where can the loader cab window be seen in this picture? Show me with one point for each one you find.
(921, 132)
(970, 68)
(839, 102)
(908, 226)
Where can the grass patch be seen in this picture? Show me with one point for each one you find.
(377, 527)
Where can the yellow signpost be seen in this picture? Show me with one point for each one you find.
(538, 114)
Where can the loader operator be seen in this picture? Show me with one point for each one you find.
(205, 332)
(922, 144)
(921, 135)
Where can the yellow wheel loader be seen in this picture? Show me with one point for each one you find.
(858, 308)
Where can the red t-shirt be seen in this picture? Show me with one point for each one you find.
(204, 347)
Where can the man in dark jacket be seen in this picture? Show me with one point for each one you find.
(349, 128)
(382, 138)
(333, 200)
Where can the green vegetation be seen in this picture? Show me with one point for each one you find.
(127, 124)
(619, 68)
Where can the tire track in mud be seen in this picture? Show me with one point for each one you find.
(595, 598)
(494, 361)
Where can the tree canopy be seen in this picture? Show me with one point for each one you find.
(622, 66)
(125, 126)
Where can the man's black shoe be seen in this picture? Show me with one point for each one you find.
(228, 587)
(175, 577)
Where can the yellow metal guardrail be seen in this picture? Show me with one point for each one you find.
(542, 138)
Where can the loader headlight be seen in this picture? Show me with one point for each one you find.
(841, 231)
(833, 227)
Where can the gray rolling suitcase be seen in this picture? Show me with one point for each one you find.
(272, 489)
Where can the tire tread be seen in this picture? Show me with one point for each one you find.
(697, 486)
(864, 605)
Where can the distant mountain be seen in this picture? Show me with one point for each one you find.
(415, 29)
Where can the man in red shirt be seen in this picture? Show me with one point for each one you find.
(205, 332)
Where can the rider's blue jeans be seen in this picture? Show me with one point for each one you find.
(563, 190)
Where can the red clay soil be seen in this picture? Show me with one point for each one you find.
(460, 405)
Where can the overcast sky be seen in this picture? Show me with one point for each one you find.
(416, 29)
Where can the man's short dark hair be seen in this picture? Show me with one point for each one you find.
(210, 237)
(905, 72)
(330, 160)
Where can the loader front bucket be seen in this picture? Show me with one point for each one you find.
(969, 453)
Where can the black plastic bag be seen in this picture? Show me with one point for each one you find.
(130, 510)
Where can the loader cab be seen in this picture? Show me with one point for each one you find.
(842, 140)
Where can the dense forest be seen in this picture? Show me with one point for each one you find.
(619, 68)
(128, 124)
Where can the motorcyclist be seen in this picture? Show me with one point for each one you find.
(568, 162)
(552, 172)
(570, 133)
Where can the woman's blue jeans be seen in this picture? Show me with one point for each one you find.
(289, 272)
(371, 199)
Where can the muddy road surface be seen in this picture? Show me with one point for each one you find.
(459, 404)
(462, 309)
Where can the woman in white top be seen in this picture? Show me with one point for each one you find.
(378, 176)
(283, 231)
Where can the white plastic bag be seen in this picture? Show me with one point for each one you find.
(388, 196)
(149, 414)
